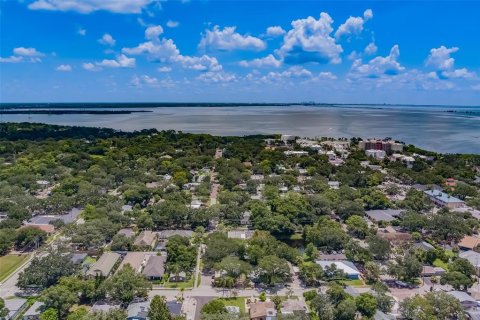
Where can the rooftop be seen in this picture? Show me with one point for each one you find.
(442, 196)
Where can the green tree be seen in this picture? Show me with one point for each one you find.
(372, 272)
(121, 242)
(405, 267)
(311, 251)
(433, 305)
(346, 310)
(126, 284)
(28, 235)
(380, 248)
(357, 226)
(273, 269)
(326, 234)
(158, 309)
(60, 298)
(3, 310)
(366, 304)
(46, 271)
(49, 314)
(234, 267)
(214, 307)
(310, 273)
(7, 237)
(323, 307)
(80, 313)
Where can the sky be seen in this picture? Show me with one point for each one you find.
(399, 52)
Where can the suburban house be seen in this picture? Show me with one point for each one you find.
(465, 299)
(78, 258)
(383, 215)
(473, 257)
(155, 267)
(240, 234)
(262, 311)
(469, 243)
(294, 307)
(33, 313)
(127, 232)
(165, 234)
(138, 310)
(443, 199)
(146, 239)
(180, 277)
(429, 271)
(104, 265)
(348, 268)
(394, 236)
(134, 259)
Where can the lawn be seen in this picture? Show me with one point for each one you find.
(178, 285)
(10, 263)
(440, 263)
(237, 302)
(357, 282)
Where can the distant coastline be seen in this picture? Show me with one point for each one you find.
(71, 111)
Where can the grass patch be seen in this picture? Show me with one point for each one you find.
(187, 284)
(440, 263)
(10, 263)
(89, 260)
(353, 283)
(237, 302)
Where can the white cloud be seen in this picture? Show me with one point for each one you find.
(88, 6)
(153, 32)
(164, 69)
(22, 54)
(27, 52)
(371, 49)
(107, 40)
(268, 61)
(148, 81)
(275, 31)
(309, 41)
(353, 25)
(327, 76)
(217, 77)
(64, 68)
(122, 61)
(11, 59)
(444, 65)
(172, 24)
(164, 50)
(89, 66)
(82, 32)
(440, 59)
(462, 73)
(379, 66)
(228, 40)
(368, 14)
(295, 72)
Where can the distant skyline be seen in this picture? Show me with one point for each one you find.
(403, 52)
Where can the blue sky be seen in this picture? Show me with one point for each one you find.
(422, 52)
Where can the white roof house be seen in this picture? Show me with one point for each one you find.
(346, 266)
